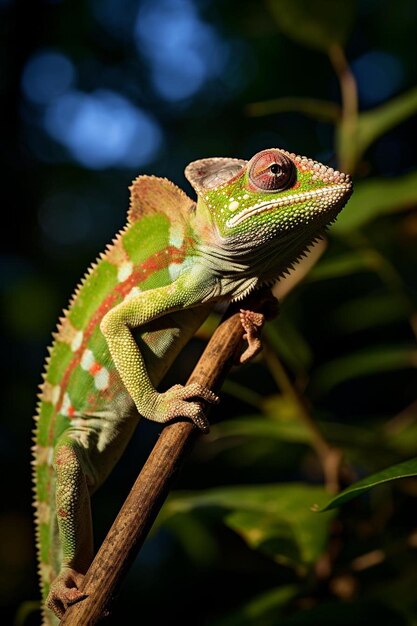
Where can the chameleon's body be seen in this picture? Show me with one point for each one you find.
(134, 311)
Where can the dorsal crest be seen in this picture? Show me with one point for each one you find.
(151, 194)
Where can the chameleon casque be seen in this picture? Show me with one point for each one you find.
(136, 308)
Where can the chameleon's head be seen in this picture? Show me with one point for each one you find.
(276, 195)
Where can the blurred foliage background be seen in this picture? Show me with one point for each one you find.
(95, 92)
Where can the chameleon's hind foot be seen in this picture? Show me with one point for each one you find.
(64, 591)
(175, 403)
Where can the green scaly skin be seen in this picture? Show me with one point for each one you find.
(136, 308)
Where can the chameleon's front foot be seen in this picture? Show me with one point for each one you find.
(252, 324)
(175, 403)
(64, 591)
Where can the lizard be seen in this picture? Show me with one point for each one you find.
(136, 308)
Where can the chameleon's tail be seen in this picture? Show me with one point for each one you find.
(46, 527)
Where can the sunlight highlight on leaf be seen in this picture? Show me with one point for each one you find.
(402, 470)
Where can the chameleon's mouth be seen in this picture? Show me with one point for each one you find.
(326, 199)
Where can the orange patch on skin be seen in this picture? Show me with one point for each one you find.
(62, 513)
(70, 411)
(94, 369)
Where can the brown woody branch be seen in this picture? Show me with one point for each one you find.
(142, 505)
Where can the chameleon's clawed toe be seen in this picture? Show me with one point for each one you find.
(183, 401)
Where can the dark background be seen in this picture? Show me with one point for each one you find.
(94, 93)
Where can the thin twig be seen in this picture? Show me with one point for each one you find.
(349, 120)
(142, 505)
(330, 457)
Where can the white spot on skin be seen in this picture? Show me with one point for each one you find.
(87, 360)
(50, 457)
(67, 408)
(233, 205)
(174, 270)
(77, 341)
(44, 516)
(135, 291)
(101, 379)
(176, 235)
(65, 404)
(47, 571)
(56, 392)
(44, 454)
(124, 271)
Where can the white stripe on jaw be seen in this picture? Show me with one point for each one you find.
(286, 201)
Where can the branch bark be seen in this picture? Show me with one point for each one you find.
(142, 505)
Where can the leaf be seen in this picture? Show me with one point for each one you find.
(293, 431)
(373, 360)
(262, 609)
(377, 197)
(322, 110)
(343, 265)
(314, 23)
(196, 540)
(275, 519)
(376, 122)
(401, 431)
(287, 341)
(360, 612)
(371, 311)
(242, 392)
(402, 470)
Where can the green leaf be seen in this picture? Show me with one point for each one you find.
(373, 360)
(241, 392)
(376, 122)
(287, 341)
(322, 110)
(376, 197)
(402, 470)
(371, 311)
(361, 612)
(293, 430)
(343, 265)
(314, 23)
(275, 519)
(197, 542)
(263, 609)
(401, 432)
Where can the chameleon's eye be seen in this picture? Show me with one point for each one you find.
(271, 170)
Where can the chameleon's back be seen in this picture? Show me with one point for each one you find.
(82, 389)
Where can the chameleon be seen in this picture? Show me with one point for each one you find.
(137, 307)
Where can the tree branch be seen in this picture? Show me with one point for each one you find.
(142, 505)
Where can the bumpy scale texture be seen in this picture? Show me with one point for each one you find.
(135, 309)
